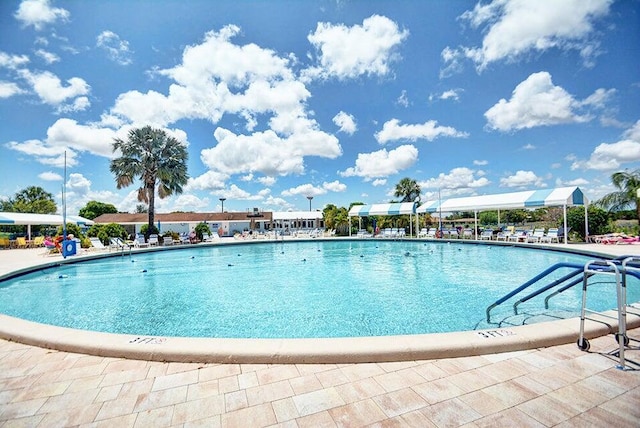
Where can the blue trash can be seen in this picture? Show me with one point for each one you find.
(68, 247)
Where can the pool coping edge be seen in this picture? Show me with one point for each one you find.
(316, 351)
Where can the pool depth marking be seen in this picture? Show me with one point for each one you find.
(149, 340)
(495, 333)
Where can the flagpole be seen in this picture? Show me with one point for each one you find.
(64, 207)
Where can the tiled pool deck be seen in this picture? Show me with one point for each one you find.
(555, 386)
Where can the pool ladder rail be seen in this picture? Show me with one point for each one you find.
(624, 265)
(619, 270)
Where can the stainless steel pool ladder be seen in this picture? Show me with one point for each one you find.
(600, 267)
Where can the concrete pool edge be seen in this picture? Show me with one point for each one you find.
(316, 351)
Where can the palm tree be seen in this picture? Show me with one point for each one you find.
(408, 189)
(156, 159)
(628, 184)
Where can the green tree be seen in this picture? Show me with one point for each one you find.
(408, 189)
(627, 184)
(95, 209)
(158, 160)
(201, 229)
(598, 220)
(488, 217)
(106, 231)
(33, 199)
(516, 216)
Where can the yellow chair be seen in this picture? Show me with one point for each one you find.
(39, 241)
(4, 242)
(21, 242)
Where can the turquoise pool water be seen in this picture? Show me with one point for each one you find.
(291, 289)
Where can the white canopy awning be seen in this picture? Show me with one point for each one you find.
(383, 209)
(563, 196)
(27, 219)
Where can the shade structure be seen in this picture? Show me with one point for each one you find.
(562, 196)
(27, 219)
(397, 208)
(558, 197)
(30, 219)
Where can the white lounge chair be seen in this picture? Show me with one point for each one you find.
(153, 240)
(119, 244)
(96, 244)
(453, 233)
(535, 236)
(486, 234)
(551, 235)
(139, 242)
(167, 240)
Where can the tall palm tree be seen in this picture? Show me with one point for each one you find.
(628, 184)
(156, 159)
(408, 189)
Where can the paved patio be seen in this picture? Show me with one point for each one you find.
(557, 386)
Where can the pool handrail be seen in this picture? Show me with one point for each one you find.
(578, 268)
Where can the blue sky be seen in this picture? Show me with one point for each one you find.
(339, 100)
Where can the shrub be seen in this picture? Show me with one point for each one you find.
(201, 229)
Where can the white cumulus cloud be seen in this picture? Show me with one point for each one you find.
(522, 179)
(349, 52)
(514, 29)
(392, 130)
(382, 163)
(345, 122)
(116, 48)
(538, 102)
(39, 13)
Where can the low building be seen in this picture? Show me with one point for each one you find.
(226, 223)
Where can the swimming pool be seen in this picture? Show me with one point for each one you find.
(289, 290)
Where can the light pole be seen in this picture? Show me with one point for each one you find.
(222, 201)
(309, 197)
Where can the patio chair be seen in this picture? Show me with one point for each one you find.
(96, 244)
(551, 235)
(536, 236)
(486, 234)
(153, 240)
(139, 242)
(167, 240)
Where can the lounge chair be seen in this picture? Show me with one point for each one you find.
(423, 232)
(486, 234)
(431, 234)
(467, 234)
(21, 242)
(139, 242)
(453, 233)
(536, 236)
(167, 240)
(118, 244)
(153, 240)
(551, 235)
(96, 244)
(362, 233)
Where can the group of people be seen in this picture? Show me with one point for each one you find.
(56, 242)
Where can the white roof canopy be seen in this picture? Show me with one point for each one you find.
(383, 209)
(28, 219)
(563, 196)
